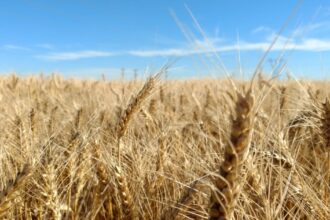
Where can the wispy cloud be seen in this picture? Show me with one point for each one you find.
(15, 47)
(181, 52)
(162, 52)
(199, 47)
(311, 45)
(76, 55)
(312, 27)
(207, 43)
(262, 29)
(46, 46)
(303, 30)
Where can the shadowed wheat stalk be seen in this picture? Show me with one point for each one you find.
(12, 186)
(325, 127)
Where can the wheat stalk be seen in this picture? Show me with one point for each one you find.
(325, 127)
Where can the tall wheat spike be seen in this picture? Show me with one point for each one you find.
(223, 200)
(134, 106)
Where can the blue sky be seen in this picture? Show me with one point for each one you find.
(87, 38)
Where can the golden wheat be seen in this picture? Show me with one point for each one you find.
(72, 149)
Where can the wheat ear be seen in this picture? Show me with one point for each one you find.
(223, 200)
(126, 197)
(133, 107)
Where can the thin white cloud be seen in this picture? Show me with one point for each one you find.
(15, 47)
(180, 52)
(280, 39)
(207, 43)
(76, 55)
(311, 27)
(263, 29)
(314, 45)
(46, 46)
(311, 45)
(162, 52)
(308, 44)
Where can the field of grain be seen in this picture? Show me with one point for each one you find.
(162, 149)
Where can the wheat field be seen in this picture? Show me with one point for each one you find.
(164, 149)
